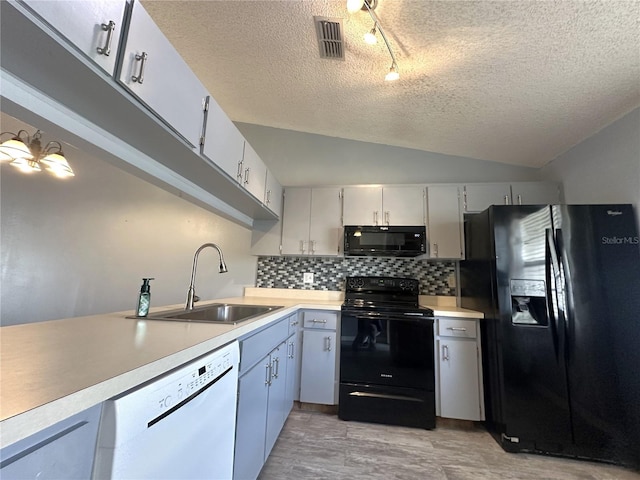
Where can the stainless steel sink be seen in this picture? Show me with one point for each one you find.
(216, 312)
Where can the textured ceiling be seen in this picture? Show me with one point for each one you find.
(518, 82)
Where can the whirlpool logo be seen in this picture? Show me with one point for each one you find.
(386, 375)
(620, 240)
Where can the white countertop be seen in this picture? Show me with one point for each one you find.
(52, 370)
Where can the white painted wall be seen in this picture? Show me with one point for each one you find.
(305, 159)
(604, 168)
(81, 246)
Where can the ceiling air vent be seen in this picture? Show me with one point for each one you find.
(330, 37)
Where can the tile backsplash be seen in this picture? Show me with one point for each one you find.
(330, 272)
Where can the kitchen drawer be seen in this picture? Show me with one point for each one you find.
(323, 320)
(257, 346)
(457, 327)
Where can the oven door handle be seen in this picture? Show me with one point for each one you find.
(385, 316)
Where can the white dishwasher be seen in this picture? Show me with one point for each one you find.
(179, 426)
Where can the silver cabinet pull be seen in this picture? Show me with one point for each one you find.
(302, 246)
(435, 250)
(386, 218)
(375, 217)
(109, 28)
(445, 352)
(143, 61)
(312, 247)
(457, 329)
(239, 172)
(277, 362)
(246, 176)
(267, 380)
(327, 344)
(506, 199)
(268, 197)
(519, 199)
(318, 321)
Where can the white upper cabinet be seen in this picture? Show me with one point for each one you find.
(444, 221)
(481, 196)
(535, 193)
(273, 194)
(311, 221)
(392, 205)
(94, 27)
(254, 172)
(478, 197)
(158, 76)
(223, 143)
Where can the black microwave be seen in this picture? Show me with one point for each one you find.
(385, 241)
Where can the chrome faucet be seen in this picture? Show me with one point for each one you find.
(191, 294)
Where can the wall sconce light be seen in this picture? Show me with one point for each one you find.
(370, 37)
(27, 154)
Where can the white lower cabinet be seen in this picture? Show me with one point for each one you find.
(319, 368)
(64, 450)
(264, 395)
(459, 369)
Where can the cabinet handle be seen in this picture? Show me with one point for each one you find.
(519, 199)
(109, 28)
(327, 344)
(268, 197)
(457, 329)
(267, 380)
(312, 247)
(445, 352)
(435, 250)
(386, 218)
(246, 176)
(277, 362)
(143, 61)
(293, 349)
(239, 172)
(318, 321)
(506, 199)
(302, 246)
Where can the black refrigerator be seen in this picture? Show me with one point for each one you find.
(559, 286)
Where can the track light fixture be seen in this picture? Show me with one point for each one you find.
(27, 154)
(370, 37)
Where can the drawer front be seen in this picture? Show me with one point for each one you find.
(257, 346)
(323, 320)
(457, 327)
(294, 321)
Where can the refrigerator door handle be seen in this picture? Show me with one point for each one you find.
(565, 290)
(551, 273)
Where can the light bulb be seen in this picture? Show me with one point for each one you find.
(370, 37)
(392, 75)
(354, 5)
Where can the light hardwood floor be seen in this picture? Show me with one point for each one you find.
(316, 445)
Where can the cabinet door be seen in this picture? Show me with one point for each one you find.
(459, 379)
(223, 142)
(253, 395)
(363, 206)
(277, 397)
(273, 194)
(64, 450)
(255, 172)
(535, 193)
(295, 221)
(481, 196)
(325, 229)
(158, 76)
(403, 206)
(318, 373)
(93, 26)
(445, 221)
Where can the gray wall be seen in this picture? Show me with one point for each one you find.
(305, 159)
(604, 168)
(81, 246)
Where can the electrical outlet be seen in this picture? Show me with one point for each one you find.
(307, 278)
(452, 280)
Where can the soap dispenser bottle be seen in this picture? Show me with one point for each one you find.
(144, 299)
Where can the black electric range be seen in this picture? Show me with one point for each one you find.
(386, 356)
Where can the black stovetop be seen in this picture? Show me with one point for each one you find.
(383, 294)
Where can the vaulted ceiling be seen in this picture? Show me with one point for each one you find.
(518, 82)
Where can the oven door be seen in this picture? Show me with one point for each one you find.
(386, 349)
